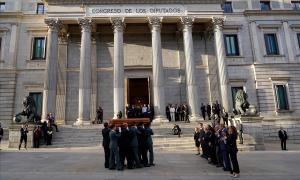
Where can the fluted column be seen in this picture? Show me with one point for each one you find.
(85, 72)
(118, 26)
(222, 67)
(49, 92)
(191, 85)
(158, 71)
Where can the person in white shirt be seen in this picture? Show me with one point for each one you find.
(144, 110)
(172, 113)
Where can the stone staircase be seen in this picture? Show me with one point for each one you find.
(90, 136)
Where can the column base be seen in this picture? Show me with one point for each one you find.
(196, 118)
(44, 120)
(160, 119)
(81, 122)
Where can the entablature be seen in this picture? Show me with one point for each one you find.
(60, 2)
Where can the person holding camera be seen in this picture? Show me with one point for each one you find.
(23, 136)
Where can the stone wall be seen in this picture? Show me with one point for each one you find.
(272, 126)
(266, 76)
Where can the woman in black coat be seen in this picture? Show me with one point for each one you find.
(232, 150)
(212, 146)
(197, 140)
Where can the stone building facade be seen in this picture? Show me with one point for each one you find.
(73, 56)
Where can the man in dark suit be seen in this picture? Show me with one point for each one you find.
(134, 145)
(203, 110)
(142, 145)
(149, 144)
(208, 110)
(114, 158)
(124, 146)
(283, 137)
(105, 144)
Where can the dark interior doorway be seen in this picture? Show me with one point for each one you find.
(138, 91)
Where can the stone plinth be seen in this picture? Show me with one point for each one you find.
(14, 136)
(253, 126)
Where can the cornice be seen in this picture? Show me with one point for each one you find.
(63, 2)
(271, 12)
(11, 14)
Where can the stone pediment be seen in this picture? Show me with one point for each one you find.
(58, 2)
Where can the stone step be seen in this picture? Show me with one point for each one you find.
(85, 136)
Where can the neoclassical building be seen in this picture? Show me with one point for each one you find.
(75, 55)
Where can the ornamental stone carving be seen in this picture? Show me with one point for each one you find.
(218, 22)
(85, 24)
(187, 22)
(155, 22)
(53, 24)
(117, 23)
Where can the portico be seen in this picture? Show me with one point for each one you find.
(162, 38)
(118, 24)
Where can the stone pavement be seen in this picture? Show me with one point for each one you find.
(87, 164)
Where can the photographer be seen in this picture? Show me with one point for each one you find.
(23, 137)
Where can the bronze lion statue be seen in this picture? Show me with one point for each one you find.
(29, 111)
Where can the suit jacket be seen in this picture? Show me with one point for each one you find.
(148, 133)
(124, 139)
(282, 135)
(133, 133)
(105, 135)
(114, 137)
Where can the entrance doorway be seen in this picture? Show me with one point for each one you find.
(138, 91)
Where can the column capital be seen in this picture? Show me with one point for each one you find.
(218, 22)
(187, 22)
(118, 23)
(155, 22)
(85, 23)
(53, 24)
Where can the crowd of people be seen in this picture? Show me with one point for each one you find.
(218, 145)
(142, 111)
(129, 143)
(175, 112)
(41, 132)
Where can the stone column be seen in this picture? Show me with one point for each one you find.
(158, 71)
(191, 85)
(288, 41)
(12, 56)
(222, 67)
(62, 75)
(49, 93)
(119, 100)
(255, 43)
(85, 72)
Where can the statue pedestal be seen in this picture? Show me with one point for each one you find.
(253, 126)
(14, 136)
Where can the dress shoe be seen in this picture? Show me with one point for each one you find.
(152, 164)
